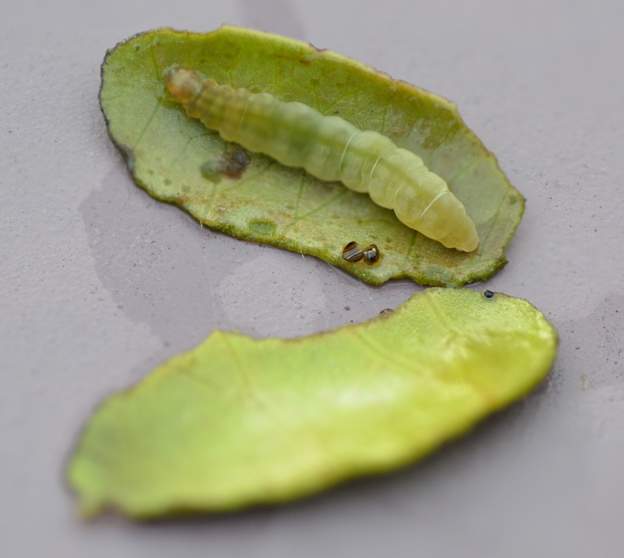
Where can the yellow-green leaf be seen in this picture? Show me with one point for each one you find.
(175, 159)
(238, 421)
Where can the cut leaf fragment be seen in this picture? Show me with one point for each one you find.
(169, 153)
(237, 421)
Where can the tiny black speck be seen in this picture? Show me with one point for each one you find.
(488, 293)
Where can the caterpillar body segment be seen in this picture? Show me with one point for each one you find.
(331, 149)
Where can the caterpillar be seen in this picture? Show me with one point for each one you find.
(331, 149)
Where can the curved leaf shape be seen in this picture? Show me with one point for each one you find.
(174, 158)
(238, 421)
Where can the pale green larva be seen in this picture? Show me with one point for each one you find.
(329, 148)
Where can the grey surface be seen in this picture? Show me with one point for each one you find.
(98, 282)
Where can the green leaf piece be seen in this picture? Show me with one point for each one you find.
(175, 159)
(238, 421)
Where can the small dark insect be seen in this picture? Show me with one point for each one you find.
(386, 311)
(371, 254)
(352, 253)
(488, 293)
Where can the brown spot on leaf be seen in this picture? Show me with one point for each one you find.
(231, 163)
(234, 161)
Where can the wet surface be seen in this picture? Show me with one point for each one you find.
(99, 282)
(146, 253)
(183, 280)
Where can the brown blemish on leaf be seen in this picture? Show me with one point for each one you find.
(235, 160)
(231, 163)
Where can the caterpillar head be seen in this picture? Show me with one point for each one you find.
(182, 84)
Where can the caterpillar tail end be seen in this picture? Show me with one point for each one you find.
(463, 236)
(459, 231)
(445, 220)
(470, 240)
